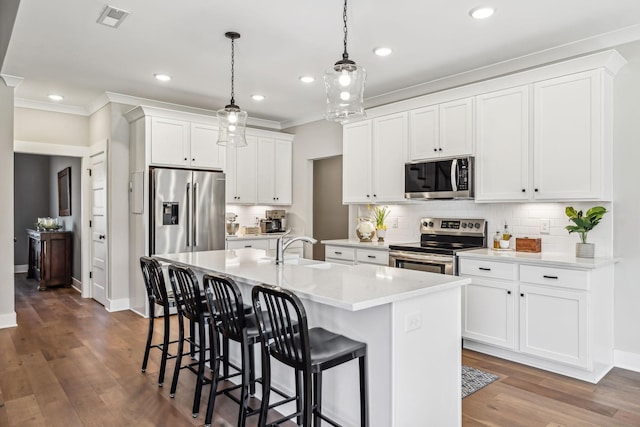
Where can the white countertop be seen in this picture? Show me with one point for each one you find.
(348, 287)
(540, 258)
(355, 243)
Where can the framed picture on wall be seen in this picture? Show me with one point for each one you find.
(64, 192)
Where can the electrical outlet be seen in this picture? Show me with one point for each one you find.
(544, 226)
(394, 222)
(412, 322)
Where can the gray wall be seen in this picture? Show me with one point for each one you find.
(31, 199)
(36, 195)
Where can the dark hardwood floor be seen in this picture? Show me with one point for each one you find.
(71, 363)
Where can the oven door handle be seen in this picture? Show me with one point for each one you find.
(409, 256)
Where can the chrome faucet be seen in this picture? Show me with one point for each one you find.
(282, 246)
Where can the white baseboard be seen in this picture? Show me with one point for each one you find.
(8, 320)
(20, 268)
(76, 284)
(117, 305)
(627, 360)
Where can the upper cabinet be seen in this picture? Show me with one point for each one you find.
(502, 145)
(563, 155)
(274, 171)
(185, 144)
(443, 130)
(374, 154)
(569, 137)
(241, 173)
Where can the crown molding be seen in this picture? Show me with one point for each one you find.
(49, 106)
(11, 81)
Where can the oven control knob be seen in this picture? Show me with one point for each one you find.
(477, 225)
(425, 224)
(430, 223)
(470, 225)
(464, 225)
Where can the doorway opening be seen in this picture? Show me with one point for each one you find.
(330, 216)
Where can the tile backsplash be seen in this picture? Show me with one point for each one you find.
(523, 219)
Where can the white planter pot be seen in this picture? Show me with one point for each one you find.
(585, 250)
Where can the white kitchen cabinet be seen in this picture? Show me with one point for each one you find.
(248, 243)
(170, 143)
(185, 144)
(569, 133)
(553, 324)
(374, 154)
(555, 318)
(352, 255)
(372, 256)
(443, 130)
(502, 145)
(205, 151)
(274, 171)
(241, 173)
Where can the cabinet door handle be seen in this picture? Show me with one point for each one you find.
(435, 149)
(375, 195)
(367, 195)
(522, 295)
(371, 256)
(550, 277)
(484, 269)
(508, 292)
(536, 190)
(248, 246)
(524, 191)
(101, 236)
(439, 149)
(338, 253)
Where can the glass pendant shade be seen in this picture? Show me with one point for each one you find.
(344, 84)
(232, 123)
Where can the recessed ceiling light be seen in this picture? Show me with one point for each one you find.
(482, 12)
(382, 51)
(307, 79)
(162, 77)
(55, 97)
(257, 97)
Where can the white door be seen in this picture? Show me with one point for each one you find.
(99, 228)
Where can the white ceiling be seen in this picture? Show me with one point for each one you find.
(57, 46)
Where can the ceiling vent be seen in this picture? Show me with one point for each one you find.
(112, 17)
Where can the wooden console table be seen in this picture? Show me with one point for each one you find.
(50, 257)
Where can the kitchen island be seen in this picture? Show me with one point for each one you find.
(410, 321)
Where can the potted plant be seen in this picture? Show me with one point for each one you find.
(584, 224)
(380, 213)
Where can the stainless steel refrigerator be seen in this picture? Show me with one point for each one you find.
(187, 211)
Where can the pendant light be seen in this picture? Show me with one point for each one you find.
(344, 83)
(231, 119)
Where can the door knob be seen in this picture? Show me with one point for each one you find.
(101, 236)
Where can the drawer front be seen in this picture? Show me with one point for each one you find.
(338, 252)
(248, 243)
(550, 276)
(369, 256)
(488, 269)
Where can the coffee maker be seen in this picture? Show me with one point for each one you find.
(274, 221)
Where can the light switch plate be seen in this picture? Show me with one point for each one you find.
(412, 321)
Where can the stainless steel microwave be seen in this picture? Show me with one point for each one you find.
(439, 179)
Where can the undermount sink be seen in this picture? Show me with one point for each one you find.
(320, 265)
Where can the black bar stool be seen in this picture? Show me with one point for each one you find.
(192, 307)
(308, 351)
(157, 294)
(225, 300)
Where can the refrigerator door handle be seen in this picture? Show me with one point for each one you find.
(188, 215)
(194, 201)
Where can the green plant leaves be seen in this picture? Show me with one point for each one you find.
(584, 223)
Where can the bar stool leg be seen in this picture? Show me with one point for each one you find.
(165, 350)
(149, 338)
(364, 392)
(244, 395)
(176, 371)
(298, 397)
(215, 372)
(225, 356)
(317, 398)
(252, 370)
(201, 360)
(306, 398)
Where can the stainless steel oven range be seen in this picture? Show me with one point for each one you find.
(440, 239)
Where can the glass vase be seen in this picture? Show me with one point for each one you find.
(365, 229)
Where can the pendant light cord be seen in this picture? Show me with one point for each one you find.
(233, 101)
(345, 55)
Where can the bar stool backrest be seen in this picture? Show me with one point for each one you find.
(288, 325)
(154, 283)
(224, 295)
(187, 292)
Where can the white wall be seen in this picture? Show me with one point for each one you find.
(626, 203)
(51, 127)
(7, 306)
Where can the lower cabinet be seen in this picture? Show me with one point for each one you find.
(353, 255)
(50, 258)
(559, 319)
(248, 243)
